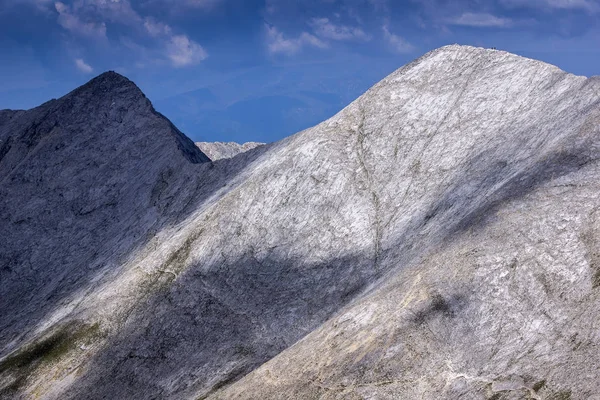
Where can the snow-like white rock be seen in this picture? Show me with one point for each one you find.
(219, 150)
(437, 238)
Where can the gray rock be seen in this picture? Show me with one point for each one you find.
(486, 190)
(84, 181)
(437, 238)
(219, 150)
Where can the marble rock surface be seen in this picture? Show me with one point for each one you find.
(219, 150)
(439, 238)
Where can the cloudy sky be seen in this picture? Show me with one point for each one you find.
(261, 70)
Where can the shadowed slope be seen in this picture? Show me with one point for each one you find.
(82, 183)
(355, 195)
(496, 298)
(361, 231)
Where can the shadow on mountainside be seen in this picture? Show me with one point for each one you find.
(81, 193)
(495, 184)
(213, 325)
(28, 303)
(204, 327)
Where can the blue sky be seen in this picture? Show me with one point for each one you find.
(260, 70)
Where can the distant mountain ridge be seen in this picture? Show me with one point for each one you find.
(270, 102)
(438, 239)
(219, 150)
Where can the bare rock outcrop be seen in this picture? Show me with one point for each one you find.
(436, 239)
(219, 150)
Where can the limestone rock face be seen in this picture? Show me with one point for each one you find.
(83, 182)
(219, 150)
(438, 238)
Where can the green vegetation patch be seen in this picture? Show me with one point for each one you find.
(562, 395)
(49, 349)
(539, 385)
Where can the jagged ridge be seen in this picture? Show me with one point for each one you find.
(435, 239)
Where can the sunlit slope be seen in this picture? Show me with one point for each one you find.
(436, 236)
(497, 230)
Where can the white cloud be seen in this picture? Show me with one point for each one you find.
(184, 52)
(83, 66)
(278, 43)
(72, 22)
(83, 17)
(480, 20)
(397, 43)
(179, 49)
(42, 5)
(155, 29)
(591, 6)
(324, 28)
(112, 10)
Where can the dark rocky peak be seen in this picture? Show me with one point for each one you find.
(107, 113)
(116, 100)
(107, 91)
(110, 81)
(112, 78)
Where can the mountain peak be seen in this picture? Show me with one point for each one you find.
(113, 84)
(453, 52)
(107, 109)
(441, 225)
(460, 61)
(112, 78)
(446, 55)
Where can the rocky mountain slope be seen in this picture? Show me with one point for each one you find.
(438, 238)
(218, 150)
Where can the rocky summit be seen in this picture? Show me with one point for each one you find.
(439, 238)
